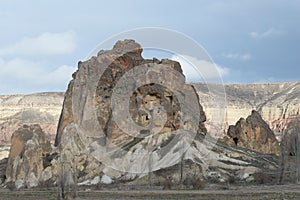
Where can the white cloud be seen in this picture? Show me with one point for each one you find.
(44, 44)
(238, 56)
(24, 73)
(200, 70)
(268, 33)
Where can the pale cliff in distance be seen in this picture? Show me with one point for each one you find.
(39, 108)
(277, 103)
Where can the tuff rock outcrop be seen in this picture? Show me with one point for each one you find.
(25, 164)
(152, 106)
(102, 147)
(123, 59)
(255, 134)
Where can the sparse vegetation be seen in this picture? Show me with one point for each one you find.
(262, 178)
(194, 183)
(168, 183)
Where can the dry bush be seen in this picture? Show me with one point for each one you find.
(198, 184)
(167, 183)
(194, 183)
(261, 178)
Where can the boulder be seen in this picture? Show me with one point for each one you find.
(25, 162)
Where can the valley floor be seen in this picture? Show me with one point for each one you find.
(234, 193)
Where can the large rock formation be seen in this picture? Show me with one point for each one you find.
(254, 133)
(121, 60)
(25, 163)
(109, 151)
(158, 109)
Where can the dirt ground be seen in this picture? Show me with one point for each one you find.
(234, 193)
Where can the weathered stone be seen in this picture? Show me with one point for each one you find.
(25, 163)
(254, 133)
(143, 103)
(87, 124)
(125, 56)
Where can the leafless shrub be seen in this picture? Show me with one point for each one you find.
(261, 178)
(168, 183)
(198, 184)
(194, 183)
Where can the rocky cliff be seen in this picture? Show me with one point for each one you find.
(254, 133)
(26, 157)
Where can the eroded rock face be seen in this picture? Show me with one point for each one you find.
(25, 163)
(113, 65)
(85, 142)
(254, 133)
(159, 103)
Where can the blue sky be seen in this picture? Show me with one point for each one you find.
(41, 42)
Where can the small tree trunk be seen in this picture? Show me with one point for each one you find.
(181, 168)
(150, 170)
(75, 177)
(282, 163)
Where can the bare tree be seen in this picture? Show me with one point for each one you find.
(282, 163)
(181, 168)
